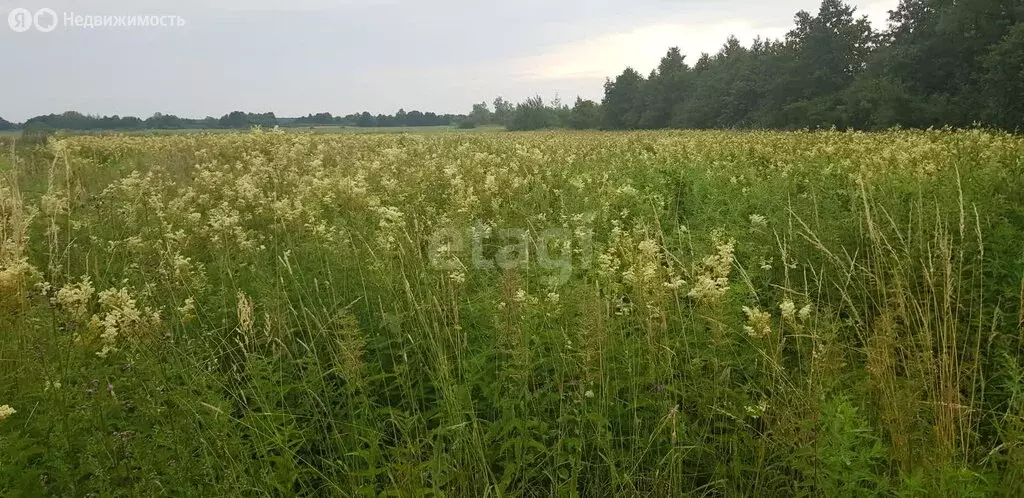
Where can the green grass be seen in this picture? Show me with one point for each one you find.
(706, 313)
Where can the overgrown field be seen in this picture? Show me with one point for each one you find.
(493, 314)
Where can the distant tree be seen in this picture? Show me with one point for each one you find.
(664, 90)
(37, 131)
(722, 91)
(1002, 81)
(877, 103)
(318, 119)
(480, 115)
(623, 102)
(6, 125)
(532, 114)
(938, 49)
(244, 120)
(938, 62)
(585, 115)
(234, 119)
(160, 121)
(366, 120)
(416, 118)
(502, 111)
(265, 120)
(829, 49)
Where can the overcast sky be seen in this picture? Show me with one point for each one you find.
(295, 57)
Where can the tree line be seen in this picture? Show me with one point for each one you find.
(365, 119)
(76, 121)
(939, 62)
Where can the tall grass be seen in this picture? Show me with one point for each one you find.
(637, 314)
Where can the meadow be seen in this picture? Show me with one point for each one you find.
(499, 314)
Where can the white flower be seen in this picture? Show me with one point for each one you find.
(649, 248)
(788, 309)
(759, 323)
(714, 282)
(6, 411)
(458, 276)
(188, 310)
(758, 221)
(74, 298)
(520, 296)
(675, 283)
(805, 312)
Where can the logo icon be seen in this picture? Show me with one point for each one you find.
(45, 20)
(20, 20)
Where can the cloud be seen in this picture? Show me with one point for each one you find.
(640, 48)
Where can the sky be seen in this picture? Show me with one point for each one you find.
(297, 57)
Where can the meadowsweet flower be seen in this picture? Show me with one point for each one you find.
(6, 411)
(649, 248)
(245, 314)
(53, 203)
(627, 191)
(74, 299)
(188, 309)
(675, 283)
(805, 312)
(520, 296)
(458, 276)
(15, 277)
(713, 281)
(121, 318)
(607, 265)
(788, 310)
(758, 221)
(759, 323)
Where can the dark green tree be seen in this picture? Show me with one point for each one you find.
(502, 111)
(664, 90)
(532, 114)
(1002, 81)
(623, 102)
(585, 115)
(480, 115)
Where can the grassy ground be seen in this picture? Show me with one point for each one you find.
(476, 314)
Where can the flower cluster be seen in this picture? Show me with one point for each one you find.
(121, 319)
(713, 277)
(759, 323)
(74, 299)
